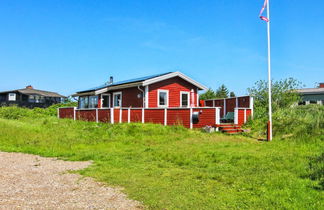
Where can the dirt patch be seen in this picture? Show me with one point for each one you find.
(30, 181)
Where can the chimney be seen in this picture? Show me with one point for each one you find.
(111, 80)
(321, 85)
(29, 87)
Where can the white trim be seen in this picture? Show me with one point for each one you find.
(185, 92)
(251, 105)
(235, 116)
(58, 113)
(158, 98)
(236, 101)
(109, 101)
(190, 115)
(197, 95)
(74, 113)
(165, 116)
(143, 119)
(217, 117)
(128, 115)
(174, 74)
(121, 99)
(244, 115)
(120, 115)
(146, 96)
(103, 90)
(213, 103)
(112, 115)
(97, 115)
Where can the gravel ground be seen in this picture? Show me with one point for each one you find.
(33, 182)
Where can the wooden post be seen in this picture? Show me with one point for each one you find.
(120, 115)
(191, 125)
(143, 119)
(112, 115)
(128, 115)
(74, 113)
(165, 117)
(244, 115)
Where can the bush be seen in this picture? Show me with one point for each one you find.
(294, 122)
(14, 112)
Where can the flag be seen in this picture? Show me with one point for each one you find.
(262, 9)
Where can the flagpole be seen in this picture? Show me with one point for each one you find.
(269, 76)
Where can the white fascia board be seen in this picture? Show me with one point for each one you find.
(171, 75)
(117, 87)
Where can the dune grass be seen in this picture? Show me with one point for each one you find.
(177, 168)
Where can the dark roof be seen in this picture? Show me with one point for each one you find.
(311, 91)
(30, 91)
(140, 79)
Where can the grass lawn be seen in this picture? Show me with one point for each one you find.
(176, 168)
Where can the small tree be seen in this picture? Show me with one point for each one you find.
(283, 95)
(209, 94)
(222, 92)
(232, 94)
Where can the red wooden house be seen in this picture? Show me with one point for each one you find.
(170, 98)
(172, 89)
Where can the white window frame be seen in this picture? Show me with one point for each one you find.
(121, 99)
(13, 97)
(185, 92)
(109, 101)
(158, 98)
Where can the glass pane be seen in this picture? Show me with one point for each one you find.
(117, 100)
(163, 98)
(84, 102)
(184, 101)
(105, 101)
(93, 101)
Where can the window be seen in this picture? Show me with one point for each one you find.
(93, 101)
(12, 97)
(83, 102)
(31, 99)
(105, 101)
(184, 99)
(117, 99)
(163, 96)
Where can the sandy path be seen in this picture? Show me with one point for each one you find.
(34, 182)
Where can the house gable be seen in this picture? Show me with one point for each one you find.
(175, 86)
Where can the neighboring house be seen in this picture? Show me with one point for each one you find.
(30, 97)
(172, 89)
(312, 95)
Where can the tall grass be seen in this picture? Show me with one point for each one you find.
(296, 123)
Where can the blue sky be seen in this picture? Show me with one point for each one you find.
(65, 46)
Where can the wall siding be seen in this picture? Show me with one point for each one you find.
(86, 115)
(206, 117)
(154, 116)
(104, 115)
(66, 112)
(174, 85)
(178, 117)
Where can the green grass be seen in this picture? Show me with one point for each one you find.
(176, 168)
